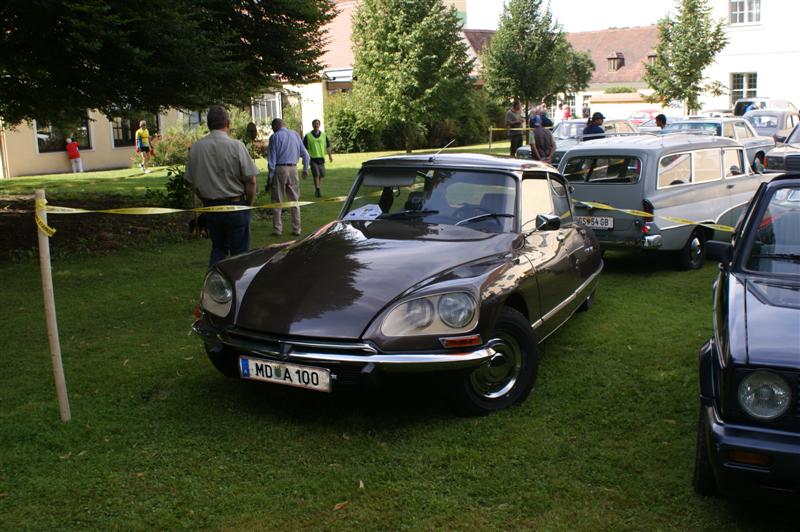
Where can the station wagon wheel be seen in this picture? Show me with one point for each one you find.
(508, 377)
(692, 256)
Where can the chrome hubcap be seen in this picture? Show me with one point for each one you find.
(500, 374)
(696, 248)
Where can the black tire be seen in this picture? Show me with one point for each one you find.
(703, 479)
(587, 303)
(507, 379)
(693, 254)
(226, 362)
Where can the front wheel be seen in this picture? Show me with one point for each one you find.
(692, 256)
(508, 377)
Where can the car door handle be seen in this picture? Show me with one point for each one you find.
(561, 238)
(730, 185)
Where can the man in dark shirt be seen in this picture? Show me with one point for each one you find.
(594, 128)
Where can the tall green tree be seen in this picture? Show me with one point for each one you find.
(61, 57)
(687, 44)
(530, 58)
(411, 64)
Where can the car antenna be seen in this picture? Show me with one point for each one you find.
(440, 150)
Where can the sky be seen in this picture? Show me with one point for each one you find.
(578, 15)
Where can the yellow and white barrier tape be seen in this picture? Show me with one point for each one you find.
(643, 214)
(43, 227)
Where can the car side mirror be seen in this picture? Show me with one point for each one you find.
(547, 222)
(722, 252)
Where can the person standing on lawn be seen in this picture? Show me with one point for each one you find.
(143, 145)
(515, 120)
(285, 148)
(317, 144)
(221, 172)
(74, 156)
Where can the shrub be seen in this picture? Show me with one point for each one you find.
(619, 89)
(347, 131)
(177, 192)
(292, 117)
(173, 146)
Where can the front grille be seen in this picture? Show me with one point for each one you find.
(793, 163)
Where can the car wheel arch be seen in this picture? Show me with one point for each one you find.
(517, 302)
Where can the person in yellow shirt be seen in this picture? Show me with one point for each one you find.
(143, 145)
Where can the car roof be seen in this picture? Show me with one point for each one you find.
(713, 119)
(784, 179)
(657, 141)
(460, 160)
(769, 112)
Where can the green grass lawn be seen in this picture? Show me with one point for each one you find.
(160, 440)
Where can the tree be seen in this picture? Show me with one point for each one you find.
(59, 58)
(529, 57)
(686, 46)
(411, 65)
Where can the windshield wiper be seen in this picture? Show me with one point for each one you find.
(400, 214)
(780, 256)
(484, 216)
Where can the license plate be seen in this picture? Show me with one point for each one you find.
(288, 374)
(597, 222)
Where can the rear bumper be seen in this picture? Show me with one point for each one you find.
(354, 355)
(778, 482)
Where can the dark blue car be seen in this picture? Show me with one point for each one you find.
(748, 440)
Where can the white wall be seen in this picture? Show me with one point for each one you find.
(770, 48)
(312, 103)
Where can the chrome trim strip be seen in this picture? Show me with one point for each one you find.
(399, 362)
(538, 323)
(351, 346)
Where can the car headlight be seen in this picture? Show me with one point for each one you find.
(217, 294)
(437, 314)
(764, 395)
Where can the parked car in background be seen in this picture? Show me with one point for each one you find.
(455, 264)
(775, 123)
(705, 179)
(744, 105)
(649, 126)
(716, 113)
(748, 437)
(637, 117)
(570, 132)
(733, 128)
(786, 157)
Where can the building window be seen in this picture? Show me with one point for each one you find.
(651, 58)
(50, 138)
(743, 85)
(616, 62)
(265, 108)
(744, 11)
(124, 129)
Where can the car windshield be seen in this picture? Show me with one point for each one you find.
(776, 244)
(603, 169)
(711, 128)
(481, 200)
(569, 130)
(794, 137)
(763, 120)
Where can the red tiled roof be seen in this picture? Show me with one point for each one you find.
(635, 44)
(339, 50)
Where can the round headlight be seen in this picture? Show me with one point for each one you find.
(456, 310)
(218, 288)
(764, 395)
(419, 313)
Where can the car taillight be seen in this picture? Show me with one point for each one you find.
(648, 208)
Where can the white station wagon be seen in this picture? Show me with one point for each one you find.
(695, 178)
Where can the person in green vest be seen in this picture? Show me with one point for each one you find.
(317, 144)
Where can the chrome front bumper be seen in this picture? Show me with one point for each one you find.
(352, 354)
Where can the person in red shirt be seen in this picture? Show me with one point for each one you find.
(74, 156)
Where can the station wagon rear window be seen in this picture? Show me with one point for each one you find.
(603, 169)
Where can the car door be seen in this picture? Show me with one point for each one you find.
(740, 183)
(550, 253)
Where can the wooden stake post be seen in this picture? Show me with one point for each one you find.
(50, 307)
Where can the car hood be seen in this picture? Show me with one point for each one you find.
(772, 322)
(784, 149)
(334, 282)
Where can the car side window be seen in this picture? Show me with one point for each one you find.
(733, 162)
(741, 130)
(535, 198)
(610, 128)
(792, 120)
(561, 201)
(706, 166)
(727, 131)
(674, 170)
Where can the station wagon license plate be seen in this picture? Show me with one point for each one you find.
(597, 222)
(288, 374)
